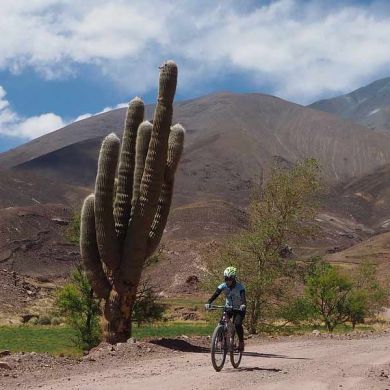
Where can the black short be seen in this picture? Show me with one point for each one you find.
(238, 316)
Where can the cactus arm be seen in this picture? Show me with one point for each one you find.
(152, 179)
(142, 146)
(153, 175)
(175, 149)
(104, 187)
(122, 206)
(89, 250)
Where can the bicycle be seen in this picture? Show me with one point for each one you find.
(223, 340)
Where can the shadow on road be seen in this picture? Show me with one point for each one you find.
(257, 369)
(186, 346)
(272, 356)
(180, 345)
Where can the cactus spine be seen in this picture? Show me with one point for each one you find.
(123, 221)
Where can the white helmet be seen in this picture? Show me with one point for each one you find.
(230, 272)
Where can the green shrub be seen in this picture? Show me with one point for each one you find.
(297, 311)
(81, 309)
(44, 320)
(56, 321)
(33, 321)
(72, 233)
(76, 302)
(328, 291)
(147, 307)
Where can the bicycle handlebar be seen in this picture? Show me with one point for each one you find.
(220, 307)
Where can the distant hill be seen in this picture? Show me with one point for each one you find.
(367, 198)
(375, 249)
(369, 105)
(231, 139)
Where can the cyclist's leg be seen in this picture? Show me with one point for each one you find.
(238, 319)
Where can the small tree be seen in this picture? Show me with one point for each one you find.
(329, 292)
(357, 306)
(366, 281)
(368, 296)
(147, 307)
(297, 311)
(76, 302)
(281, 213)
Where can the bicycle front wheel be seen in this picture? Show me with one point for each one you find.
(235, 353)
(218, 348)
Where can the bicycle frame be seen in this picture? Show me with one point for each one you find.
(229, 328)
(224, 332)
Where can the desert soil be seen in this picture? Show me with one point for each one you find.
(323, 362)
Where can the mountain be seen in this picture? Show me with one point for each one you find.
(231, 139)
(366, 198)
(369, 105)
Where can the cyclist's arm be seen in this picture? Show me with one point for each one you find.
(243, 297)
(214, 296)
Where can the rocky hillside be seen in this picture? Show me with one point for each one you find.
(369, 105)
(231, 138)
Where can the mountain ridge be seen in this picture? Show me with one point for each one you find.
(368, 105)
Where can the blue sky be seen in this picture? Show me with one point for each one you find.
(61, 60)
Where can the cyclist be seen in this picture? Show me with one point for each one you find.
(235, 299)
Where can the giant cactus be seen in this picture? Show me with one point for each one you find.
(123, 221)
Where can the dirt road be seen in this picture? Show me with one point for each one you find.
(289, 364)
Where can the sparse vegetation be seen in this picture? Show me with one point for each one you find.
(50, 339)
(58, 339)
(280, 215)
(327, 290)
(335, 297)
(77, 303)
(72, 232)
(147, 308)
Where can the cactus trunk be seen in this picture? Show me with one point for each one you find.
(117, 317)
(123, 222)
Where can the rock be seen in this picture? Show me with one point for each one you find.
(89, 359)
(132, 340)
(192, 279)
(5, 366)
(5, 353)
(27, 317)
(60, 221)
(316, 332)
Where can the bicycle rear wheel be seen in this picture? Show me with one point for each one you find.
(218, 348)
(235, 353)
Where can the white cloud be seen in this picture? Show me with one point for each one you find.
(12, 124)
(105, 109)
(304, 49)
(36, 126)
